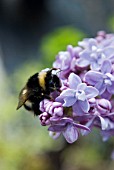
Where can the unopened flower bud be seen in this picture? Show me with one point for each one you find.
(103, 106)
(44, 119)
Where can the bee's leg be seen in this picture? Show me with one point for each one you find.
(36, 109)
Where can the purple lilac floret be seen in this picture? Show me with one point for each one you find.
(77, 95)
(86, 97)
(103, 79)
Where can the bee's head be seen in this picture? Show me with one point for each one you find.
(53, 79)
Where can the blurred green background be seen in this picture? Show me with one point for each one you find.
(24, 143)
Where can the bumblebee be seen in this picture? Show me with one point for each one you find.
(38, 87)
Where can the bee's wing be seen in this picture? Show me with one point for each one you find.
(23, 96)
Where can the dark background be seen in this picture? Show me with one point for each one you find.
(23, 23)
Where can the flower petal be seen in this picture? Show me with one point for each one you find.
(77, 110)
(81, 126)
(92, 44)
(82, 86)
(70, 133)
(106, 67)
(85, 55)
(74, 80)
(89, 124)
(107, 124)
(104, 123)
(110, 89)
(67, 97)
(63, 121)
(94, 65)
(56, 128)
(106, 95)
(91, 92)
(82, 62)
(67, 93)
(108, 51)
(58, 111)
(101, 87)
(93, 77)
(84, 105)
(69, 101)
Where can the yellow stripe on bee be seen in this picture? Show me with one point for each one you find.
(41, 78)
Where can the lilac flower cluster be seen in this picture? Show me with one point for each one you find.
(86, 99)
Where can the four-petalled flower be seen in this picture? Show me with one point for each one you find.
(77, 95)
(102, 80)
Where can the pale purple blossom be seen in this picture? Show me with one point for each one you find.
(86, 97)
(62, 62)
(77, 95)
(104, 106)
(44, 118)
(68, 128)
(50, 111)
(100, 116)
(94, 54)
(66, 61)
(102, 80)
